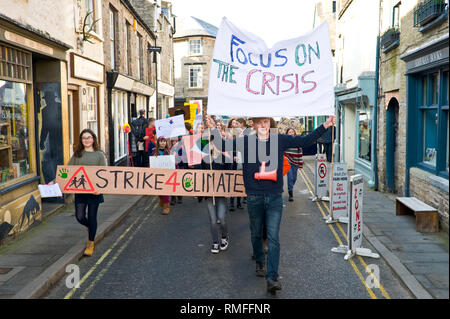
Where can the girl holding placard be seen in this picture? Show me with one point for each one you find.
(162, 148)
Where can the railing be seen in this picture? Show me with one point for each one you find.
(427, 11)
(389, 37)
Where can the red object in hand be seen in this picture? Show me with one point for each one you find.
(263, 175)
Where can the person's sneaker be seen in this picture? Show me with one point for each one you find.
(239, 206)
(200, 199)
(273, 285)
(215, 248)
(231, 208)
(224, 243)
(260, 269)
(291, 196)
(173, 200)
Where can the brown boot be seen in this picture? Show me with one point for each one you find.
(166, 209)
(89, 248)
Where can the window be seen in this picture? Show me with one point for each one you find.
(90, 12)
(127, 48)
(396, 16)
(195, 77)
(334, 6)
(14, 131)
(120, 118)
(112, 37)
(195, 47)
(139, 56)
(92, 108)
(149, 64)
(15, 63)
(433, 122)
(364, 135)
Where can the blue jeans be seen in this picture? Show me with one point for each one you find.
(292, 177)
(267, 207)
(217, 212)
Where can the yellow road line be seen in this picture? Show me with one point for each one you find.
(383, 291)
(355, 268)
(102, 258)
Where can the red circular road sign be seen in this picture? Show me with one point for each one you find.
(322, 170)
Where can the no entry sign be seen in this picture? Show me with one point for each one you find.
(321, 176)
(150, 181)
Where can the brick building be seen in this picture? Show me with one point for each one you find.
(413, 152)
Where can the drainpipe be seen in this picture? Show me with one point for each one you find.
(374, 182)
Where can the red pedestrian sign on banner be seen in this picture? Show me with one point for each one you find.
(322, 170)
(79, 182)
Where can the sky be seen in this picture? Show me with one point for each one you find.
(273, 20)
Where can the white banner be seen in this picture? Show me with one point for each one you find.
(170, 127)
(162, 161)
(293, 78)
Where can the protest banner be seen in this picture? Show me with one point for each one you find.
(198, 114)
(162, 161)
(150, 181)
(170, 127)
(293, 78)
(193, 147)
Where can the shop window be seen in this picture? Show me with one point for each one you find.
(364, 136)
(195, 47)
(195, 77)
(14, 131)
(92, 101)
(15, 63)
(429, 117)
(433, 140)
(120, 118)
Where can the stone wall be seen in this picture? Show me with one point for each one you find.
(392, 78)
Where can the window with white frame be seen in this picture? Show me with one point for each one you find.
(90, 11)
(112, 37)
(195, 77)
(195, 46)
(127, 47)
(139, 56)
(92, 103)
(120, 118)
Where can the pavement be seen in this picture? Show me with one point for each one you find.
(34, 262)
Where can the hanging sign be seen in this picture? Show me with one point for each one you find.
(150, 181)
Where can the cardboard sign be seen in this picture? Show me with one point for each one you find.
(355, 231)
(150, 181)
(194, 148)
(321, 175)
(162, 161)
(49, 190)
(339, 191)
(170, 127)
(247, 78)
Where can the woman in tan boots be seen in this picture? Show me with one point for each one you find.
(87, 153)
(162, 148)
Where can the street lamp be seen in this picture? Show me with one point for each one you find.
(155, 49)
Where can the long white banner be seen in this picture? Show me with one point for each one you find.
(293, 78)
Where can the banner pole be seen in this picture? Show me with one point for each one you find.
(331, 169)
(210, 162)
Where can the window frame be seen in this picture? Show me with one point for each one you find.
(200, 47)
(442, 124)
(139, 57)
(199, 75)
(113, 37)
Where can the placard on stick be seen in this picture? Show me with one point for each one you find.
(150, 181)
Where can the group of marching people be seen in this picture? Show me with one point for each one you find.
(264, 196)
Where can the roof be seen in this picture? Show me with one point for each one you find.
(191, 26)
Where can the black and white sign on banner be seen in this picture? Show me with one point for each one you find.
(355, 222)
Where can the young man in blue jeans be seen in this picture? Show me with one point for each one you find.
(263, 181)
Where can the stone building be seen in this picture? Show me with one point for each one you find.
(130, 73)
(356, 41)
(413, 140)
(193, 46)
(33, 106)
(158, 16)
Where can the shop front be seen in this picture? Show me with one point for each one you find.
(355, 123)
(31, 71)
(126, 96)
